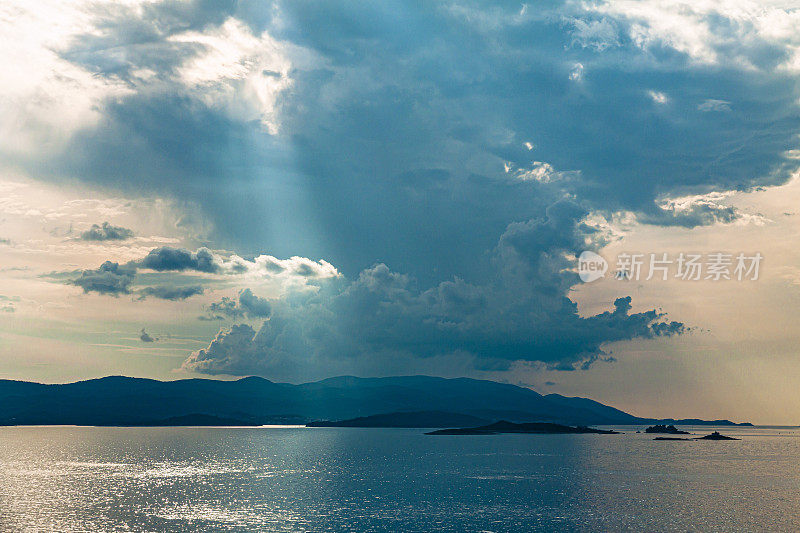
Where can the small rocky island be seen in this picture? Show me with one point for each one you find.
(670, 430)
(539, 428)
(713, 436)
(716, 436)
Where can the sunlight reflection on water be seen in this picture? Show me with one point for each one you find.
(333, 479)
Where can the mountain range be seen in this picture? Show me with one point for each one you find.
(118, 400)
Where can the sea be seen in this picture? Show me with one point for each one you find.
(353, 479)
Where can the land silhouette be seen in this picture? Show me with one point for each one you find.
(346, 400)
(539, 428)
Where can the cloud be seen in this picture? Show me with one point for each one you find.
(598, 34)
(224, 350)
(576, 74)
(249, 305)
(106, 232)
(658, 97)
(743, 34)
(252, 305)
(267, 266)
(110, 278)
(170, 293)
(522, 315)
(113, 279)
(224, 308)
(172, 259)
(242, 110)
(712, 105)
(697, 210)
(145, 337)
(59, 96)
(381, 316)
(7, 303)
(539, 171)
(167, 258)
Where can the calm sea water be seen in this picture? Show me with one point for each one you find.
(339, 479)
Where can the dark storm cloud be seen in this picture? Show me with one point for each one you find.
(455, 95)
(110, 278)
(171, 293)
(381, 315)
(106, 232)
(523, 315)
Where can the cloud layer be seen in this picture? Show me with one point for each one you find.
(112, 278)
(444, 159)
(340, 137)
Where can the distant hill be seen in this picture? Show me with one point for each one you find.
(118, 400)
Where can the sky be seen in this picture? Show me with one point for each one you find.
(299, 190)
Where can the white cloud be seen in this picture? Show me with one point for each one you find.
(658, 97)
(576, 74)
(296, 270)
(540, 171)
(44, 98)
(712, 104)
(733, 32)
(598, 34)
(237, 70)
(713, 207)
